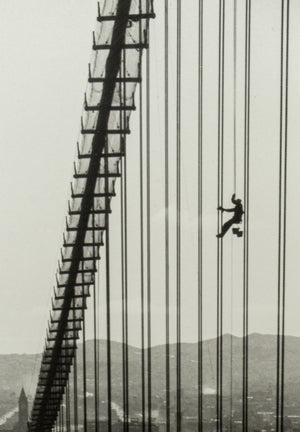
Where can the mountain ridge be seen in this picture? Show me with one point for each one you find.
(17, 370)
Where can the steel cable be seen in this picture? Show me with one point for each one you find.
(219, 347)
(148, 234)
(96, 380)
(178, 220)
(124, 379)
(282, 213)
(107, 274)
(124, 254)
(142, 275)
(200, 181)
(246, 217)
(167, 251)
(75, 395)
(84, 356)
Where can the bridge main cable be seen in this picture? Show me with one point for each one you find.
(63, 332)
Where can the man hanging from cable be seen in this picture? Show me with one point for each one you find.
(236, 219)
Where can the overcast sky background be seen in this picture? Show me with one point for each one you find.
(45, 50)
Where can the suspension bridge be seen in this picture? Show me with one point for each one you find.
(189, 105)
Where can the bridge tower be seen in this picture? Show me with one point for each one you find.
(21, 426)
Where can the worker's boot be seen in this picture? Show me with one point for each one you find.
(237, 232)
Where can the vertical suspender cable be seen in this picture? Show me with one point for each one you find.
(107, 262)
(124, 268)
(234, 89)
(234, 190)
(84, 356)
(125, 250)
(178, 220)
(142, 238)
(220, 202)
(200, 180)
(284, 215)
(246, 223)
(123, 273)
(123, 124)
(62, 414)
(75, 395)
(60, 419)
(98, 324)
(66, 407)
(167, 252)
(148, 210)
(59, 414)
(284, 60)
(279, 243)
(68, 420)
(231, 338)
(95, 324)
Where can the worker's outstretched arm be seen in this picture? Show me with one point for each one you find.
(228, 210)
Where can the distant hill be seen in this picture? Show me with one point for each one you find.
(18, 370)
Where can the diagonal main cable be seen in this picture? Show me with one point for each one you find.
(77, 269)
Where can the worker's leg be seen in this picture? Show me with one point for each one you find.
(226, 227)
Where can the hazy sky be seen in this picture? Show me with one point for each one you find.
(45, 49)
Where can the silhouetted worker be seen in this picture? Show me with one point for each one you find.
(237, 217)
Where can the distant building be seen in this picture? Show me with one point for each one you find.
(136, 426)
(21, 426)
